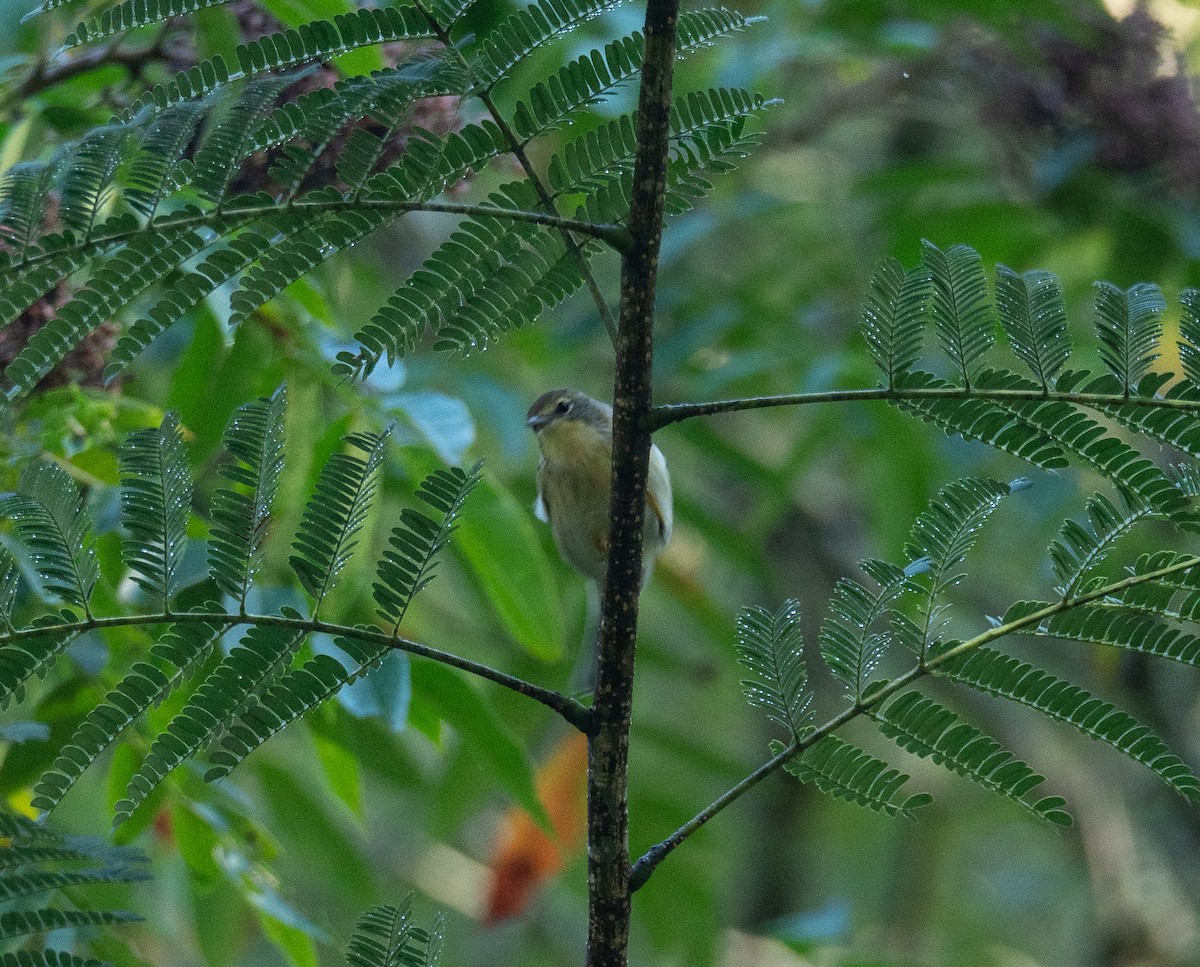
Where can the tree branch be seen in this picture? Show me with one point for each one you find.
(646, 865)
(615, 235)
(670, 413)
(45, 76)
(609, 891)
(574, 712)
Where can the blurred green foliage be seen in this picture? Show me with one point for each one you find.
(1056, 134)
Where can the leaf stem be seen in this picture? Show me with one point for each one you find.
(613, 235)
(645, 866)
(518, 150)
(574, 712)
(666, 414)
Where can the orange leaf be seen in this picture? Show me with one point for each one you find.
(525, 856)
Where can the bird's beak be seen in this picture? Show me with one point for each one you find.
(537, 421)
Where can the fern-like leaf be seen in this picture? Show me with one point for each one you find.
(20, 923)
(1189, 334)
(893, 316)
(772, 648)
(155, 505)
(990, 671)
(408, 564)
(175, 657)
(255, 439)
(263, 654)
(1129, 324)
(32, 654)
(53, 523)
(589, 78)
(1034, 315)
(1078, 549)
(1124, 628)
(961, 309)
(335, 514)
(404, 570)
(146, 259)
(849, 647)
(527, 30)
(847, 772)
(385, 936)
(923, 727)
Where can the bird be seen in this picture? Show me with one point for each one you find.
(574, 479)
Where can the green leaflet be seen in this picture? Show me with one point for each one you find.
(1034, 316)
(386, 936)
(849, 647)
(335, 514)
(173, 659)
(927, 729)
(959, 305)
(53, 523)
(263, 654)
(156, 494)
(772, 648)
(997, 674)
(893, 316)
(845, 771)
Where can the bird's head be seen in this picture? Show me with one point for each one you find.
(559, 408)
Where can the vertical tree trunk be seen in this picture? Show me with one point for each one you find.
(608, 817)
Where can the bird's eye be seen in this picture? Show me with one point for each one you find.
(563, 407)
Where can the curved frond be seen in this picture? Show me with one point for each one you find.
(1129, 324)
(255, 439)
(335, 514)
(1078, 549)
(850, 648)
(24, 196)
(847, 772)
(949, 528)
(174, 658)
(893, 316)
(408, 564)
(528, 29)
(385, 936)
(30, 655)
(998, 674)
(20, 923)
(923, 727)
(55, 527)
(589, 78)
(159, 154)
(156, 494)
(263, 654)
(959, 305)
(772, 648)
(405, 569)
(320, 40)
(1189, 334)
(231, 136)
(88, 173)
(1034, 316)
(1125, 628)
(144, 260)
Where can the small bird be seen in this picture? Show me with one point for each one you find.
(574, 479)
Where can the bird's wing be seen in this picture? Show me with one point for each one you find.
(658, 493)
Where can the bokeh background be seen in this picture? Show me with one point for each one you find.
(1056, 134)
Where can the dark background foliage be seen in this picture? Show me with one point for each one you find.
(1060, 135)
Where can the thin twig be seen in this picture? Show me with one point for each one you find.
(614, 235)
(574, 712)
(670, 413)
(645, 866)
